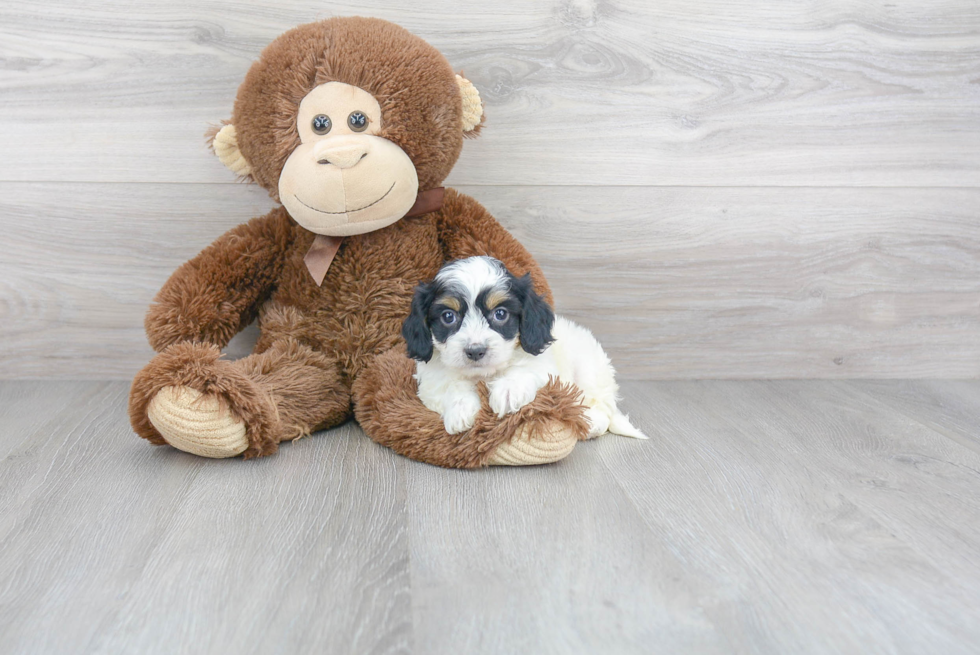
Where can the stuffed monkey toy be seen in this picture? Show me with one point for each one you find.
(351, 124)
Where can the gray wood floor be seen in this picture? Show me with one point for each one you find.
(763, 517)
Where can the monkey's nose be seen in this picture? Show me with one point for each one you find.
(340, 155)
(475, 352)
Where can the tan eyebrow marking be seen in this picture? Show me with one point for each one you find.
(450, 302)
(496, 297)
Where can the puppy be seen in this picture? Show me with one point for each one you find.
(476, 321)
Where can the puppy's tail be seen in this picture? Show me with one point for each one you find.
(620, 424)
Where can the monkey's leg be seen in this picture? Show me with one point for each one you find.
(387, 406)
(191, 399)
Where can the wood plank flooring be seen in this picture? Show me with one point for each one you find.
(761, 517)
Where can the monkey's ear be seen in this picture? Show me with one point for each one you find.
(224, 143)
(472, 107)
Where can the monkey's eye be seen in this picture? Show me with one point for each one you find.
(448, 317)
(500, 315)
(357, 121)
(322, 124)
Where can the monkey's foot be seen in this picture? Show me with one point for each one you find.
(197, 423)
(388, 407)
(189, 398)
(546, 443)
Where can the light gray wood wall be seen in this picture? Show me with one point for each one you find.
(728, 189)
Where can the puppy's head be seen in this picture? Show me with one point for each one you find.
(474, 314)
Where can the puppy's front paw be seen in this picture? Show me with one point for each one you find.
(461, 413)
(507, 395)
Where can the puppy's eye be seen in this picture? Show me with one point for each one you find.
(322, 124)
(357, 121)
(448, 317)
(500, 315)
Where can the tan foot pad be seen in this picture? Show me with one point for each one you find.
(197, 424)
(552, 442)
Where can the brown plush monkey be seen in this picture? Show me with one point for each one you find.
(351, 124)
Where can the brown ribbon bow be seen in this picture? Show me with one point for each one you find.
(321, 253)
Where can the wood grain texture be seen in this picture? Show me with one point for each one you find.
(761, 517)
(110, 545)
(950, 407)
(814, 499)
(578, 92)
(687, 177)
(675, 282)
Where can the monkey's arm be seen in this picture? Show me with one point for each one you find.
(467, 229)
(386, 400)
(216, 294)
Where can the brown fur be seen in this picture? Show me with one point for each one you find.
(450, 302)
(387, 408)
(319, 343)
(420, 101)
(495, 298)
(283, 393)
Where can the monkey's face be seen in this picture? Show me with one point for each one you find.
(343, 178)
(322, 149)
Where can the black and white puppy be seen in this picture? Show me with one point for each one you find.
(476, 321)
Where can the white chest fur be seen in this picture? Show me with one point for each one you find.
(575, 357)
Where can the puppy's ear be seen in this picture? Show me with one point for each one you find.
(537, 319)
(415, 330)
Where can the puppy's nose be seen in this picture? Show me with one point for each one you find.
(475, 352)
(341, 152)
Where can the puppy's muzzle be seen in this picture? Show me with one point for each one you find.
(475, 352)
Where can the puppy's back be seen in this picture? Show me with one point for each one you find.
(582, 360)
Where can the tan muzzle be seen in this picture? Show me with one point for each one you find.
(348, 184)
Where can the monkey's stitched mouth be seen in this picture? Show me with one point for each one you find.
(348, 211)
